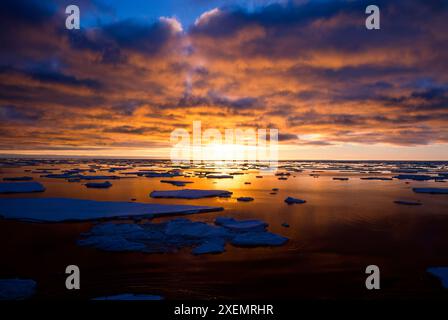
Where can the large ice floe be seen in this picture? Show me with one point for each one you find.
(441, 273)
(66, 209)
(190, 194)
(175, 234)
(130, 296)
(21, 187)
(431, 190)
(17, 289)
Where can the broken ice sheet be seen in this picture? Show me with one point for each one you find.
(175, 234)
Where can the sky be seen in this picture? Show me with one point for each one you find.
(137, 70)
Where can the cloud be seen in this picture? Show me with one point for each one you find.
(305, 67)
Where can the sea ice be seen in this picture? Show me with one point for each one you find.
(291, 200)
(219, 176)
(416, 177)
(21, 187)
(431, 190)
(245, 199)
(65, 209)
(241, 225)
(408, 202)
(189, 193)
(177, 233)
(18, 179)
(177, 183)
(16, 289)
(214, 245)
(99, 185)
(377, 178)
(441, 273)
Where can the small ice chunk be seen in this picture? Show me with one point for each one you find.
(241, 225)
(377, 178)
(99, 185)
(431, 190)
(189, 193)
(21, 187)
(130, 296)
(291, 200)
(177, 183)
(441, 273)
(245, 199)
(340, 178)
(257, 239)
(214, 245)
(408, 202)
(219, 176)
(17, 289)
(18, 179)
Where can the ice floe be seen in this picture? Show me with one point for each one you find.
(177, 183)
(431, 190)
(17, 289)
(219, 176)
(190, 194)
(21, 187)
(408, 202)
(175, 234)
(245, 199)
(416, 177)
(99, 185)
(340, 178)
(66, 209)
(291, 200)
(130, 296)
(377, 178)
(18, 178)
(441, 273)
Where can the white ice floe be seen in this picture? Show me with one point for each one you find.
(408, 202)
(189, 193)
(431, 190)
(175, 234)
(17, 289)
(130, 296)
(21, 187)
(65, 209)
(255, 239)
(441, 273)
(291, 200)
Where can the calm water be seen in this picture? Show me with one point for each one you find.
(343, 227)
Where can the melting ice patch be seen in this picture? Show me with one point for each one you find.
(65, 209)
(21, 187)
(178, 233)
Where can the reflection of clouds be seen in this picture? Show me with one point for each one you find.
(307, 68)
